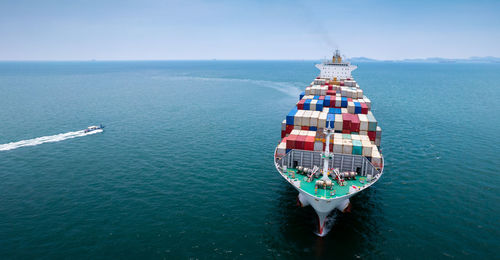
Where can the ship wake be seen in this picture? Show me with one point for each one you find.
(46, 139)
(327, 225)
(289, 88)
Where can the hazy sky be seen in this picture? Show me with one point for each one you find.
(192, 29)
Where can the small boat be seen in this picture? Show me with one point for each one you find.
(93, 128)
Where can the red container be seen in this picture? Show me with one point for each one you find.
(309, 143)
(355, 123)
(330, 87)
(330, 92)
(321, 97)
(289, 128)
(349, 99)
(300, 142)
(300, 104)
(372, 135)
(283, 133)
(345, 131)
(346, 124)
(304, 128)
(364, 108)
(290, 141)
(331, 146)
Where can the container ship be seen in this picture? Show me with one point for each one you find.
(330, 142)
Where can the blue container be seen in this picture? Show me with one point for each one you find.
(319, 105)
(316, 97)
(290, 116)
(357, 108)
(335, 111)
(302, 94)
(307, 104)
(326, 103)
(330, 120)
(343, 102)
(313, 128)
(357, 148)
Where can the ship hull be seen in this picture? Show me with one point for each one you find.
(322, 206)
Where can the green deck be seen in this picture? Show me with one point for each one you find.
(326, 193)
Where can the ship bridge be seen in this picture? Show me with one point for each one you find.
(335, 68)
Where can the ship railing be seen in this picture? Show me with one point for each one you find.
(343, 162)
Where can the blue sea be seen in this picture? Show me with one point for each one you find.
(184, 168)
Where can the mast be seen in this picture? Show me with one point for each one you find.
(327, 155)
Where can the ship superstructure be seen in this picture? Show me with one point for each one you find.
(330, 146)
(335, 68)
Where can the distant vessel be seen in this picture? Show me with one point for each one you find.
(93, 128)
(330, 147)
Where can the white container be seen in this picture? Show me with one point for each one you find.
(306, 119)
(313, 105)
(338, 124)
(367, 148)
(322, 119)
(367, 102)
(376, 158)
(346, 146)
(296, 127)
(338, 101)
(281, 149)
(364, 133)
(355, 137)
(295, 132)
(283, 124)
(344, 110)
(337, 145)
(372, 122)
(364, 137)
(350, 107)
(314, 119)
(311, 133)
(363, 119)
(297, 119)
(315, 91)
(323, 91)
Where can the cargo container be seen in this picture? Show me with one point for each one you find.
(357, 147)
(372, 123)
(306, 119)
(347, 146)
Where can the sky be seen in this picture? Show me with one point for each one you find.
(262, 30)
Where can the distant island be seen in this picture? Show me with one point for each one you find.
(487, 59)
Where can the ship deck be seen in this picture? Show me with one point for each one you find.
(337, 190)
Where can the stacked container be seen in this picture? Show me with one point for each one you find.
(339, 105)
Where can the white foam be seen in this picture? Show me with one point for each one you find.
(46, 139)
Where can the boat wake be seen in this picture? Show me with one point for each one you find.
(46, 139)
(329, 221)
(289, 88)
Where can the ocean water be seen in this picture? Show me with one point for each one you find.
(184, 168)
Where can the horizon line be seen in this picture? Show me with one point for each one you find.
(216, 59)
